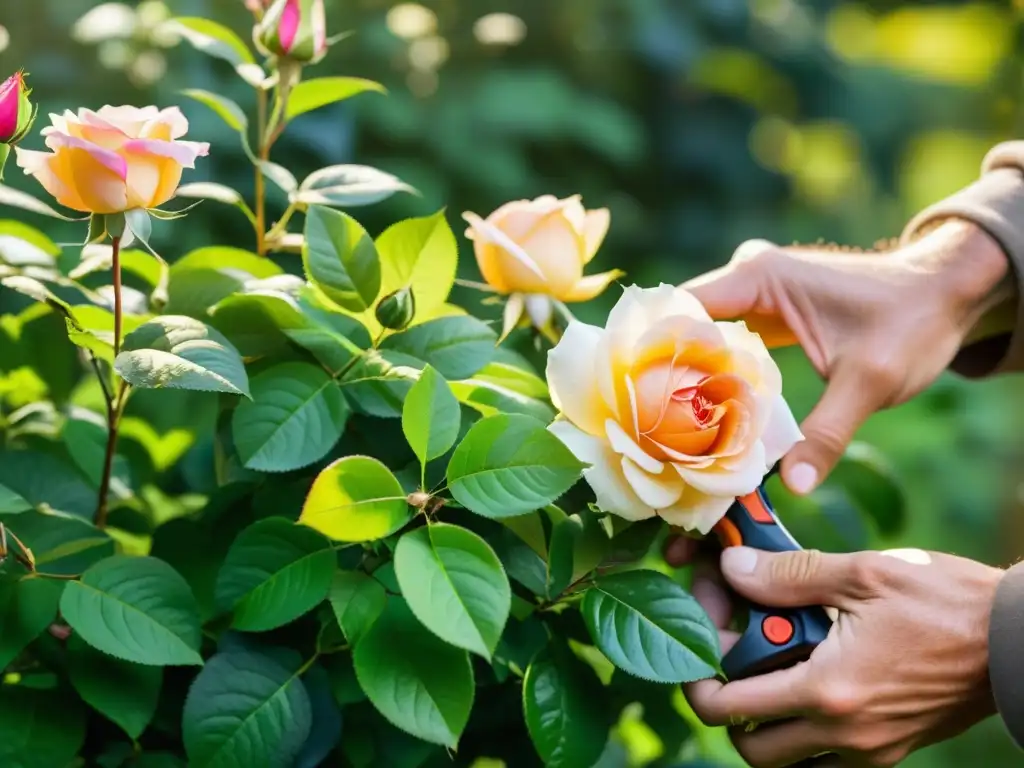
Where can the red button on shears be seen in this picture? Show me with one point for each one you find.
(777, 630)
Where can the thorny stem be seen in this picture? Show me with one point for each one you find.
(116, 404)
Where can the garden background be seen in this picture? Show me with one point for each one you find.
(699, 123)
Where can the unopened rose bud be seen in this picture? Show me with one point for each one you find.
(294, 29)
(16, 114)
(396, 310)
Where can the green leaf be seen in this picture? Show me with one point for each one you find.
(275, 572)
(420, 254)
(245, 709)
(489, 399)
(138, 609)
(564, 535)
(86, 441)
(123, 692)
(358, 601)
(346, 186)
(354, 499)
(419, 683)
(39, 728)
(457, 346)
(11, 502)
(321, 91)
(62, 544)
(649, 626)
(866, 477)
(563, 706)
(93, 329)
(513, 378)
(18, 199)
(179, 352)
(509, 465)
(325, 730)
(205, 276)
(223, 107)
(296, 415)
(221, 193)
(380, 381)
(455, 585)
(212, 39)
(340, 259)
(430, 416)
(27, 607)
(281, 176)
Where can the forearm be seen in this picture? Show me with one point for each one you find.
(995, 205)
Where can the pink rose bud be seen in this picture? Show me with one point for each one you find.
(16, 112)
(16, 115)
(295, 29)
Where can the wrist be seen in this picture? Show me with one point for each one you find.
(967, 268)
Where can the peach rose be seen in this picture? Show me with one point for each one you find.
(538, 248)
(113, 160)
(676, 414)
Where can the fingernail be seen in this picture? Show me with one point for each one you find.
(739, 560)
(802, 478)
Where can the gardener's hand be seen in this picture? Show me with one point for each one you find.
(905, 665)
(879, 327)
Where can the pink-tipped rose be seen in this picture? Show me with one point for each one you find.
(295, 29)
(16, 114)
(115, 159)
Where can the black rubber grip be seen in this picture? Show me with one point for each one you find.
(774, 638)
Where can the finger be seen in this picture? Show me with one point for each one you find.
(714, 600)
(732, 290)
(780, 744)
(679, 550)
(803, 577)
(849, 399)
(772, 696)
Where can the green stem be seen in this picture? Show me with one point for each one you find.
(279, 229)
(113, 423)
(261, 202)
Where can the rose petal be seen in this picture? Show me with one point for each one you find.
(612, 492)
(570, 375)
(557, 248)
(781, 433)
(505, 265)
(110, 160)
(129, 119)
(592, 286)
(656, 491)
(696, 511)
(594, 230)
(736, 480)
(184, 153)
(169, 124)
(41, 166)
(623, 443)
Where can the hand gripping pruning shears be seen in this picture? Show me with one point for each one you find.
(774, 637)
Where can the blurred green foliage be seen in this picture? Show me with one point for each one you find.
(698, 123)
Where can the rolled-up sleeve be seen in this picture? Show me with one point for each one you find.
(996, 204)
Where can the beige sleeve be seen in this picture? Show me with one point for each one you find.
(996, 204)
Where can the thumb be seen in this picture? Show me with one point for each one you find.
(849, 399)
(792, 579)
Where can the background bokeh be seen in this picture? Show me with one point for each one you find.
(699, 123)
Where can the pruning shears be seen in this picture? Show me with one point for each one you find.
(774, 637)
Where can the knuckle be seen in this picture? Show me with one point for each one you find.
(840, 700)
(755, 252)
(829, 437)
(869, 572)
(796, 567)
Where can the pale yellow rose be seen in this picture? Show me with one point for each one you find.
(538, 249)
(113, 160)
(676, 414)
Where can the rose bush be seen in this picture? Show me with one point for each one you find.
(291, 506)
